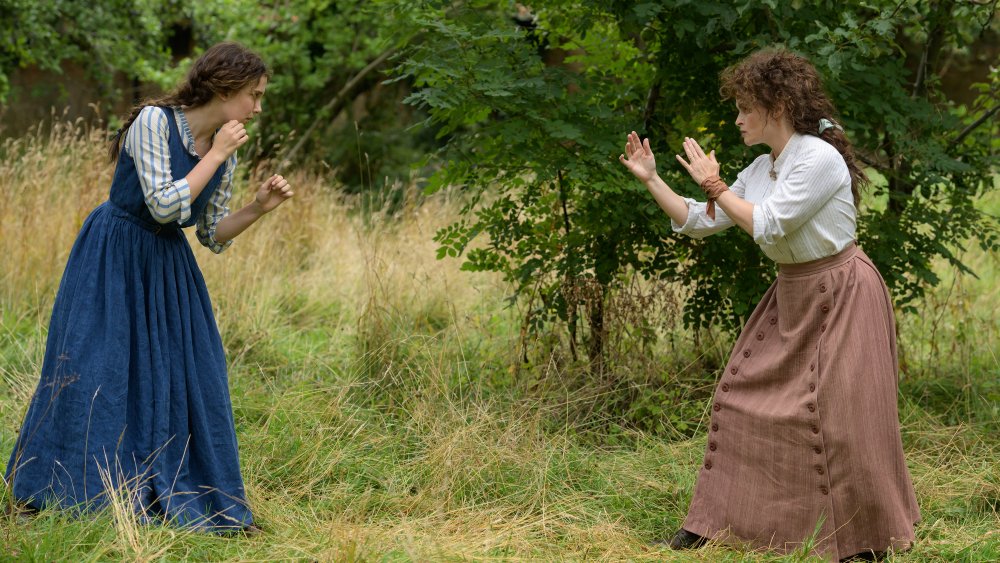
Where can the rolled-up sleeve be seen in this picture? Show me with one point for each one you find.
(699, 224)
(216, 210)
(807, 187)
(147, 142)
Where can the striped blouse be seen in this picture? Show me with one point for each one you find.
(147, 142)
(806, 214)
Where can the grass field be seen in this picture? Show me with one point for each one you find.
(384, 412)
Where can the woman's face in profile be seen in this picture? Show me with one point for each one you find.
(244, 104)
(752, 121)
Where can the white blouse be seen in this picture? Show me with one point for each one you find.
(806, 214)
(148, 143)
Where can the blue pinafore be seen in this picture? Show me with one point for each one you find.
(133, 400)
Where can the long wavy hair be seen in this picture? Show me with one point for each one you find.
(221, 70)
(786, 83)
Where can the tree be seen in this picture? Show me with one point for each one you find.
(539, 140)
(535, 145)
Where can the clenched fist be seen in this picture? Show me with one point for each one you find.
(229, 137)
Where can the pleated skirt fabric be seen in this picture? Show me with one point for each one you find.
(133, 401)
(804, 444)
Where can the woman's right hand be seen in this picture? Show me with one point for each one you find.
(638, 158)
(229, 137)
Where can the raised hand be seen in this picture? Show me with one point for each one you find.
(698, 165)
(229, 137)
(638, 158)
(273, 192)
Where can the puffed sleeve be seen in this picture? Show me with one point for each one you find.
(699, 224)
(216, 210)
(147, 142)
(814, 178)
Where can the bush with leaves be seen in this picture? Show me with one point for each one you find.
(534, 145)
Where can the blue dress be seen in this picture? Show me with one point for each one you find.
(134, 397)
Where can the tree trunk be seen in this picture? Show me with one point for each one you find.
(595, 318)
(569, 281)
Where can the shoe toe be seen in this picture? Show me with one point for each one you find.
(684, 539)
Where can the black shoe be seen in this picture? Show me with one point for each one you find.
(684, 539)
(867, 556)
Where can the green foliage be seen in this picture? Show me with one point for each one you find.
(104, 37)
(315, 47)
(534, 144)
(533, 138)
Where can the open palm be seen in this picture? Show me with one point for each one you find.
(638, 158)
(699, 165)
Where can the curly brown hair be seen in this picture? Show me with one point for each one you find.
(784, 83)
(224, 68)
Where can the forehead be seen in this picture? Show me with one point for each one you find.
(257, 87)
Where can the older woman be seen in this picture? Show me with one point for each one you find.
(804, 442)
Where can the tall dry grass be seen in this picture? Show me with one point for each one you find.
(380, 414)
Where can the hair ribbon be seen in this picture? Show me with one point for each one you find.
(825, 124)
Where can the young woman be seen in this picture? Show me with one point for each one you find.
(133, 399)
(804, 441)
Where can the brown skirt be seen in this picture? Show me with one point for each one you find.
(804, 442)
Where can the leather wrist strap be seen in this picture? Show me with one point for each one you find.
(713, 186)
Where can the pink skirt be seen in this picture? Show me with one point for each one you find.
(804, 442)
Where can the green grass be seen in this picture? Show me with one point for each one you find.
(383, 412)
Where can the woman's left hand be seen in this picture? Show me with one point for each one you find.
(273, 192)
(698, 165)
